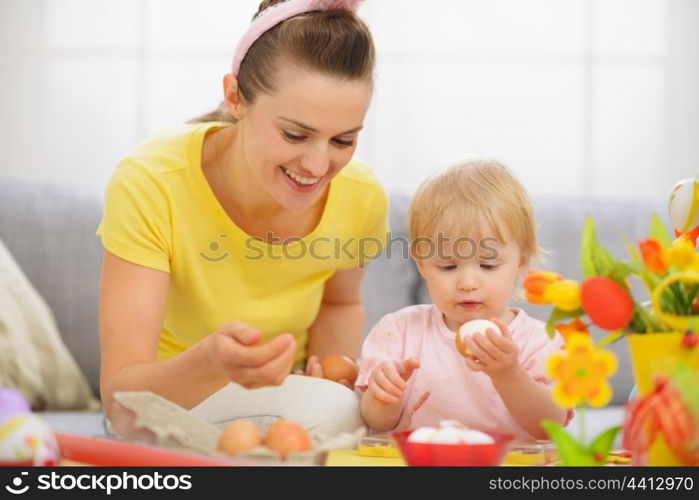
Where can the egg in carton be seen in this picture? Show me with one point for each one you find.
(320, 445)
(147, 417)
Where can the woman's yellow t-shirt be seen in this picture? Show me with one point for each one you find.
(160, 213)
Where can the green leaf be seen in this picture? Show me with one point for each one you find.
(620, 270)
(604, 262)
(659, 232)
(610, 338)
(650, 323)
(679, 299)
(558, 315)
(601, 445)
(636, 325)
(667, 302)
(639, 322)
(691, 297)
(595, 260)
(587, 244)
(649, 279)
(570, 451)
(635, 256)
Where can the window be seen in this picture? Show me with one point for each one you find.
(576, 96)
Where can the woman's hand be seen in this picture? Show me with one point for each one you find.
(233, 349)
(313, 368)
(492, 353)
(388, 381)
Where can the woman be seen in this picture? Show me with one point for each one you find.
(234, 250)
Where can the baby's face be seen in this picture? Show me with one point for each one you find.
(472, 278)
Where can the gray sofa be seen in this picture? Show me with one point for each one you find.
(49, 228)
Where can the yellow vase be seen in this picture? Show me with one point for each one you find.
(653, 353)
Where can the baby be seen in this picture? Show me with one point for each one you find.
(472, 236)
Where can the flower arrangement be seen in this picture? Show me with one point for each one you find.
(669, 270)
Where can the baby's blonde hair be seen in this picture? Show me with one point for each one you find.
(469, 196)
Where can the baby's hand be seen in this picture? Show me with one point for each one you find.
(388, 381)
(492, 353)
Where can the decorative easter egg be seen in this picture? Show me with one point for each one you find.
(26, 440)
(468, 329)
(606, 303)
(11, 403)
(684, 208)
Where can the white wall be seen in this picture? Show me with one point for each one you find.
(577, 96)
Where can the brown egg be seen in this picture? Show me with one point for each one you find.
(285, 436)
(338, 367)
(239, 436)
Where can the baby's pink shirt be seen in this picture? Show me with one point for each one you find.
(455, 391)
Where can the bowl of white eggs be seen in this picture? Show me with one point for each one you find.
(451, 444)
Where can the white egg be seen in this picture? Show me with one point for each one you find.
(471, 436)
(422, 435)
(469, 329)
(448, 435)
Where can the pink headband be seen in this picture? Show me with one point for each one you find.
(277, 13)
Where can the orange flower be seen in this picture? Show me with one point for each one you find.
(652, 252)
(535, 284)
(575, 326)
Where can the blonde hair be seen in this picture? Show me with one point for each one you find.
(469, 196)
(336, 43)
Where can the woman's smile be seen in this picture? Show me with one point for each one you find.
(300, 183)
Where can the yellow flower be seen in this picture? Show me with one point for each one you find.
(581, 373)
(681, 253)
(564, 294)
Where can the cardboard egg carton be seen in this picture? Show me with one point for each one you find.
(145, 417)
